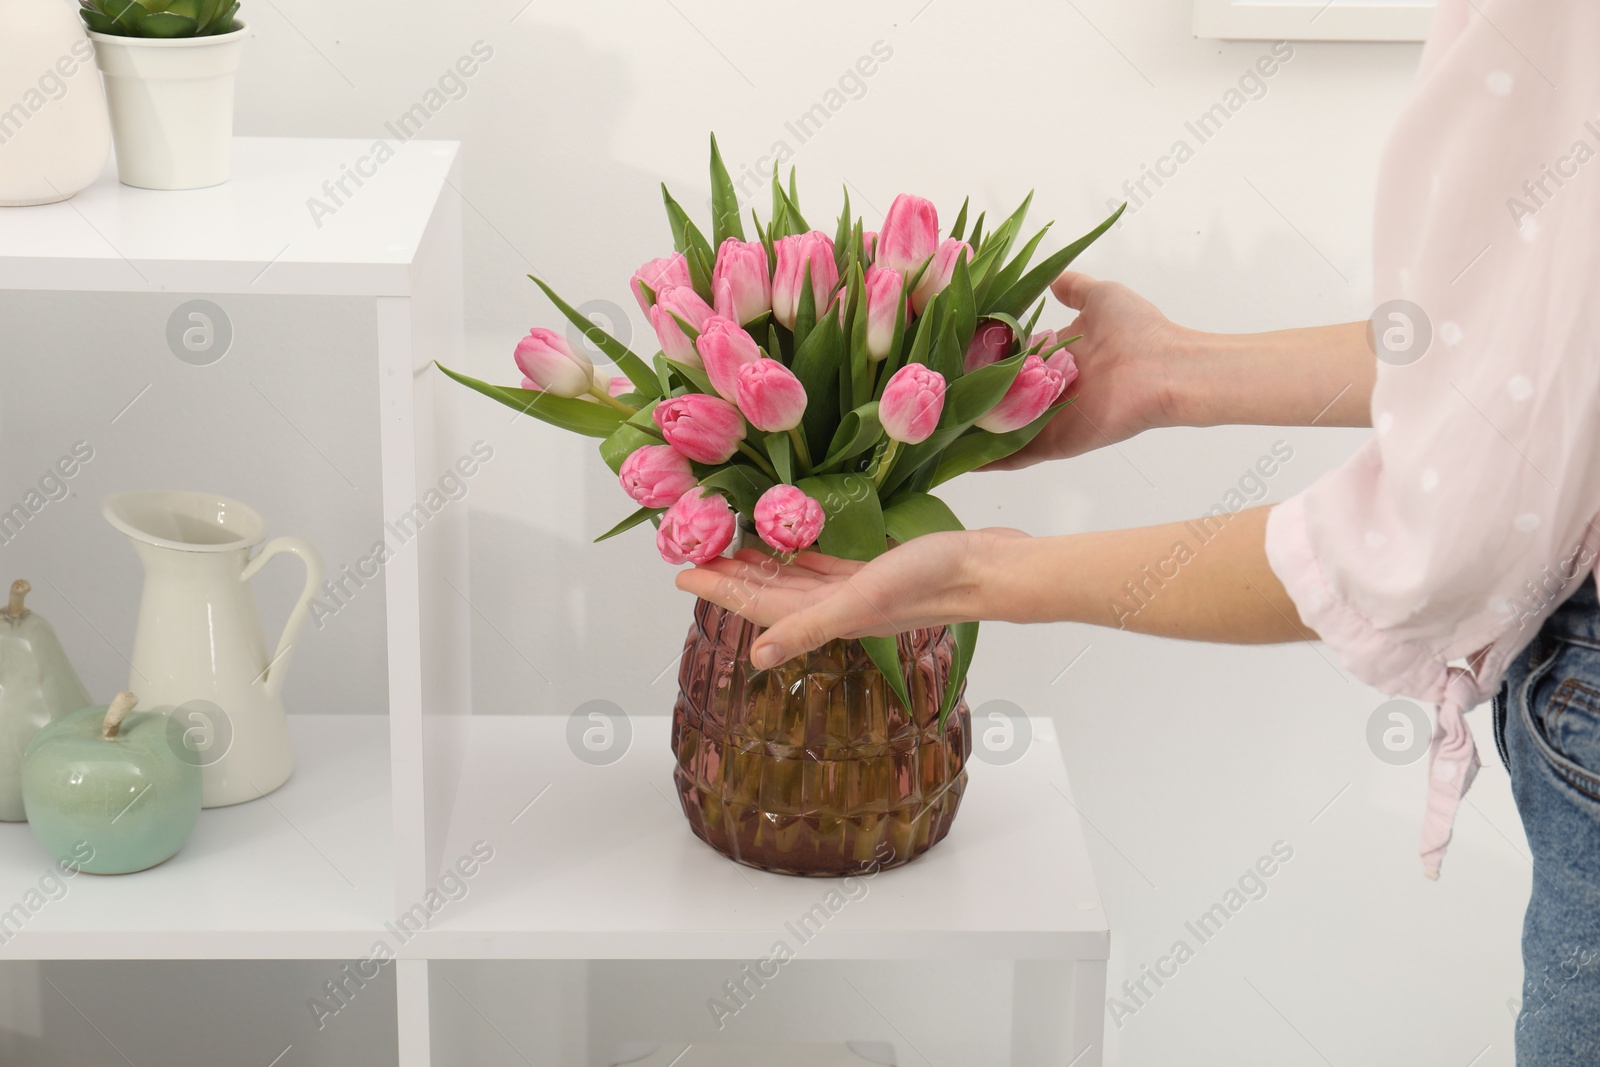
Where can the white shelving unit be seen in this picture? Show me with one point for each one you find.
(568, 860)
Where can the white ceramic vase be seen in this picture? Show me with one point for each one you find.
(171, 106)
(199, 653)
(54, 138)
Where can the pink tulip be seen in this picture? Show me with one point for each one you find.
(705, 428)
(770, 396)
(656, 475)
(683, 301)
(909, 236)
(869, 244)
(911, 403)
(1063, 364)
(990, 344)
(619, 385)
(724, 347)
(1036, 387)
(531, 385)
(696, 529)
(885, 293)
(658, 274)
(553, 365)
(741, 288)
(795, 254)
(787, 519)
(937, 276)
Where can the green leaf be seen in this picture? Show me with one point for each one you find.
(637, 370)
(224, 21)
(998, 244)
(630, 522)
(841, 238)
(965, 635)
(166, 24)
(743, 486)
(1007, 276)
(915, 514)
(694, 378)
(976, 240)
(805, 311)
(98, 22)
(947, 356)
(853, 528)
(780, 450)
(960, 227)
(1027, 289)
(724, 201)
(816, 364)
(978, 447)
(663, 372)
(858, 431)
(579, 416)
(687, 238)
(638, 431)
(787, 204)
(963, 307)
(885, 653)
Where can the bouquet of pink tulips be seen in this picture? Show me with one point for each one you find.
(817, 387)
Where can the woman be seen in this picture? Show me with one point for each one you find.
(1452, 556)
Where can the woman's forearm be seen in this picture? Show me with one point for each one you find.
(1321, 375)
(1205, 580)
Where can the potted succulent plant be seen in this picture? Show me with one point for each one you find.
(169, 67)
(814, 390)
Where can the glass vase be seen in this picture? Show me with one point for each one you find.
(815, 767)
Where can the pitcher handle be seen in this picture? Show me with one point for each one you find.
(279, 664)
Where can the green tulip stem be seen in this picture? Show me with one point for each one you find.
(760, 461)
(886, 463)
(606, 398)
(801, 452)
(121, 704)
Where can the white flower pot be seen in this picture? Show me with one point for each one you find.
(54, 138)
(171, 107)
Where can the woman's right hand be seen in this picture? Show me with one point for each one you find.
(1124, 363)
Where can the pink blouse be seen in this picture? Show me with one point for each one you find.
(1472, 511)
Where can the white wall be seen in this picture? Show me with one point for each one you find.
(1188, 761)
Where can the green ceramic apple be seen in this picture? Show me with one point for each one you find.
(37, 686)
(111, 781)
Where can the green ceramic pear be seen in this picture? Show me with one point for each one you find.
(37, 686)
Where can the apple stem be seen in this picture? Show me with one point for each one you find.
(19, 589)
(121, 704)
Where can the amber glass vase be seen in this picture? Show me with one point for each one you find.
(815, 767)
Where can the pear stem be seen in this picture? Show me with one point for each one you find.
(121, 704)
(19, 589)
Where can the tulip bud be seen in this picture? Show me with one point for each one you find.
(552, 364)
(885, 294)
(939, 272)
(696, 529)
(683, 301)
(741, 288)
(1036, 387)
(990, 344)
(655, 476)
(788, 519)
(911, 404)
(658, 274)
(796, 254)
(910, 235)
(705, 428)
(724, 347)
(770, 396)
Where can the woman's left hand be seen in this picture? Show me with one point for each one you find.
(929, 581)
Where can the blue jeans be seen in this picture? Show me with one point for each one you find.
(1547, 727)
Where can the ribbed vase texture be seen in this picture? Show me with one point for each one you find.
(815, 767)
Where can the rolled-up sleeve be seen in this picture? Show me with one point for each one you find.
(1471, 512)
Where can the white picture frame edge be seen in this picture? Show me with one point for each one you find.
(1271, 21)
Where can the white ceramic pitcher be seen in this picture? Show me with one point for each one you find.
(199, 650)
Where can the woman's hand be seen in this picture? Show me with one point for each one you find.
(929, 581)
(1124, 362)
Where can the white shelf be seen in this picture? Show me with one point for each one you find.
(253, 234)
(305, 873)
(604, 865)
